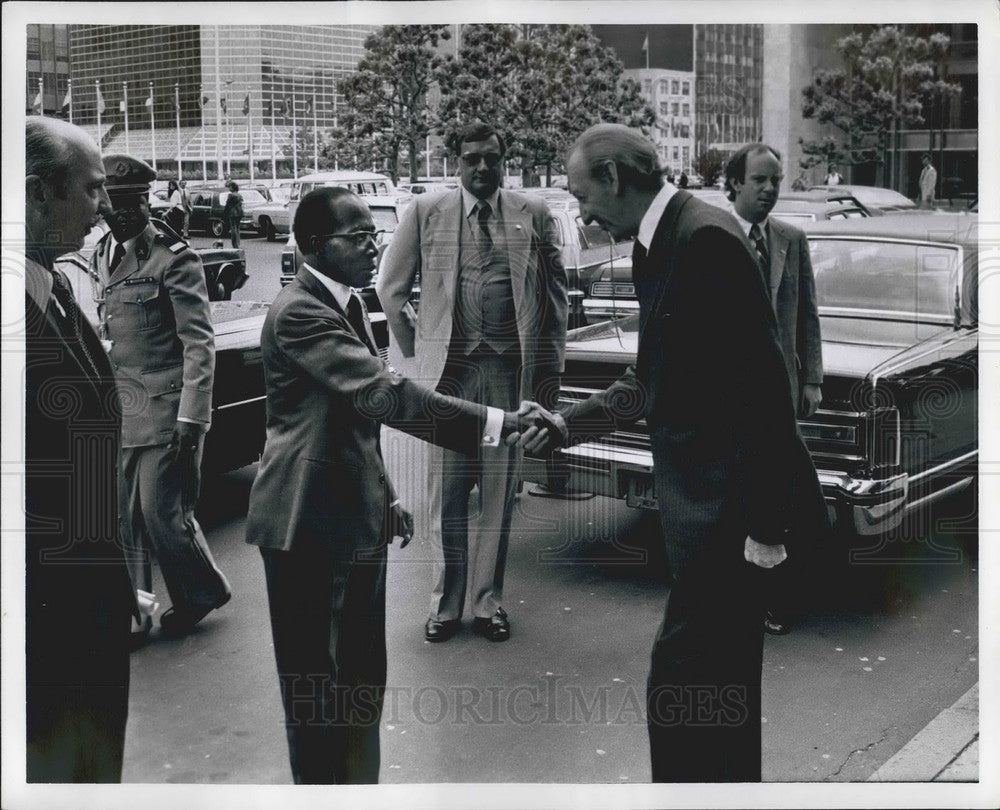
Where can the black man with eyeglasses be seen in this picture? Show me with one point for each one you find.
(322, 508)
(491, 327)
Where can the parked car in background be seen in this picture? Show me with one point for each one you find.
(877, 200)
(159, 203)
(208, 205)
(897, 430)
(429, 187)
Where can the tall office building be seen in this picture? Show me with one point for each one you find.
(47, 68)
(659, 58)
(236, 90)
(729, 64)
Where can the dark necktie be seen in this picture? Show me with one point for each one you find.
(116, 259)
(64, 297)
(483, 212)
(763, 258)
(638, 264)
(356, 317)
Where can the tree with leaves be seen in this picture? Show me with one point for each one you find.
(386, 110)
(886, 76)
(709, 164)
(541, 85)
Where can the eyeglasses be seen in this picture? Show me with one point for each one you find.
(492, 160)
(359, 238)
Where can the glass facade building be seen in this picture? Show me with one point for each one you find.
(48, 60)
(729, 64)
(224, 84)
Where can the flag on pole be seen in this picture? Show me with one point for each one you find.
(36, 105)
(645, 49)
(204, 98)
(246, 105)
(267, 107)
(68, 99)
(222, 104)
(149, 101)
(101, 106)
(309, 106)
(289, 106)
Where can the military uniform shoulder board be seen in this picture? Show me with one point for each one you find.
(168, 237)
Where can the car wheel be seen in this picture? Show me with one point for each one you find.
(268, 229)
(218, 228)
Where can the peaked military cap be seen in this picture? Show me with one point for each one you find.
(127, 175)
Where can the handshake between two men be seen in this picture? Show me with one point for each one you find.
(537, 430)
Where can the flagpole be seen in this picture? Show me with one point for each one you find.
(128, 148)
(315, 136)
(69, 98)
(295, 138)
(336, 160)
(41, 96)
(218, 102)
(202, 98)
(152, 124)
(229, 138)
(100, 103)
(274, 159)
(177, 113)
(249, 137)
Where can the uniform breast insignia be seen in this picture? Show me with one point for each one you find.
(144, 280)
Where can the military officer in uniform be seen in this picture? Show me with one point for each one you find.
(156, 326)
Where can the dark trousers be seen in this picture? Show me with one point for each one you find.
(77, 679)
(234, 232)
(703, 692)
(328, 626)
(161, 516)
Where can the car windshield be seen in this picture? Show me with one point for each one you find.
(385, 219)
(885, 278)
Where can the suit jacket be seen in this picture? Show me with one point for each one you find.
(157, 314)
(793, 296)
(77, 585)
(321, 480)
(710, 380)
(427, 243)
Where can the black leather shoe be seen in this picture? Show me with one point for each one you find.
(775, 625)
(441, 631)
(495, 628)
(181, 621)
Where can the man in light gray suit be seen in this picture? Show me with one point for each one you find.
(753, 176)
(491, 328)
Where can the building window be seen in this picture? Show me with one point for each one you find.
(686, 89)
(676, 153)
(664, 108)
(675, 108)
(687, 155)
(687, 110)
(663, 87)
(675, 87)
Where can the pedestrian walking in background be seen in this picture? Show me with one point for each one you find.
(928, 182)
(233, 212)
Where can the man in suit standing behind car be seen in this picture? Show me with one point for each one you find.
(154, 316)
(491, 328)
(722, 433)
(753, 178)
(322, 508)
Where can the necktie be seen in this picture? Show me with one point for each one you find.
(359, 321)
(638, 264)
(64, 296)
(483, 212)
(763, 258)
(116, 259)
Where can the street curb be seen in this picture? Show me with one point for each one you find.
(945, 750)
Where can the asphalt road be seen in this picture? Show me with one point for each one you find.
(885, 644)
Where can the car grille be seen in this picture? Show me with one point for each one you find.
(612, 289)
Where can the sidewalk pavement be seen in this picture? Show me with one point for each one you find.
(946, 750)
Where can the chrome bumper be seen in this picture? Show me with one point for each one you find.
(609, 307)
(872, 506)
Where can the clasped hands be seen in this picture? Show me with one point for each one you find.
(537, 430)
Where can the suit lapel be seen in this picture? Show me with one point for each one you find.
(517, 237)
(778, 249)
(660, 255)
(444, 229)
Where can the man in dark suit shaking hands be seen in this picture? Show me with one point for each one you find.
(322, 508)
(710, 381)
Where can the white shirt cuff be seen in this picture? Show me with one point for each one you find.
(494, 426)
